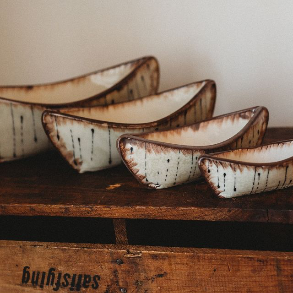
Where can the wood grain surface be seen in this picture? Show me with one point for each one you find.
(140, 269)
(46, 185)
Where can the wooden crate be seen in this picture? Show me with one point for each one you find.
(103, 232)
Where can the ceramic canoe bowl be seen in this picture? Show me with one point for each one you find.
(86, 137)
(21, 107)
(167, 158)
(249, 171)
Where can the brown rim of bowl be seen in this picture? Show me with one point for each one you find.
(141, 125)
(258, 111)
(273, 163)
(142, 61)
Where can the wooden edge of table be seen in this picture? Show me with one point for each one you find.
(142, 212)
(138, 249)
(123, 268)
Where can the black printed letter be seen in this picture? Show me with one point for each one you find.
(58, 282)
(66, 282)
(25, 275)
(35, 278)
(96, 284)
(86, 281)
(78, 284)
(51, 277)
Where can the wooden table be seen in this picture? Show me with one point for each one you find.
(45, 185)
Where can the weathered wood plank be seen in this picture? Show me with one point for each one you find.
(110, 268)
(120, 231)
(46, 185)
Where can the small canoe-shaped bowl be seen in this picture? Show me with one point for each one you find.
(167, 158)
(21, 107)
(249, 171)
(86, 137)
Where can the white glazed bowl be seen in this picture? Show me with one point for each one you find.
(86, 137)
(21, 107)
(249, 171)
(167, 158)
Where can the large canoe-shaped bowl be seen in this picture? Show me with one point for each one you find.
(86, 137)
(21, 107)
(249, 171)
(168, 158)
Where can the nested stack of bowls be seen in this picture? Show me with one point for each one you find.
(115, 115)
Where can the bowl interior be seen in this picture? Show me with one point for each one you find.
(206, 133)
(143, 110)
(264, 154)
(71, 90)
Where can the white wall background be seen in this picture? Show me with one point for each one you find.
(246, 46)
